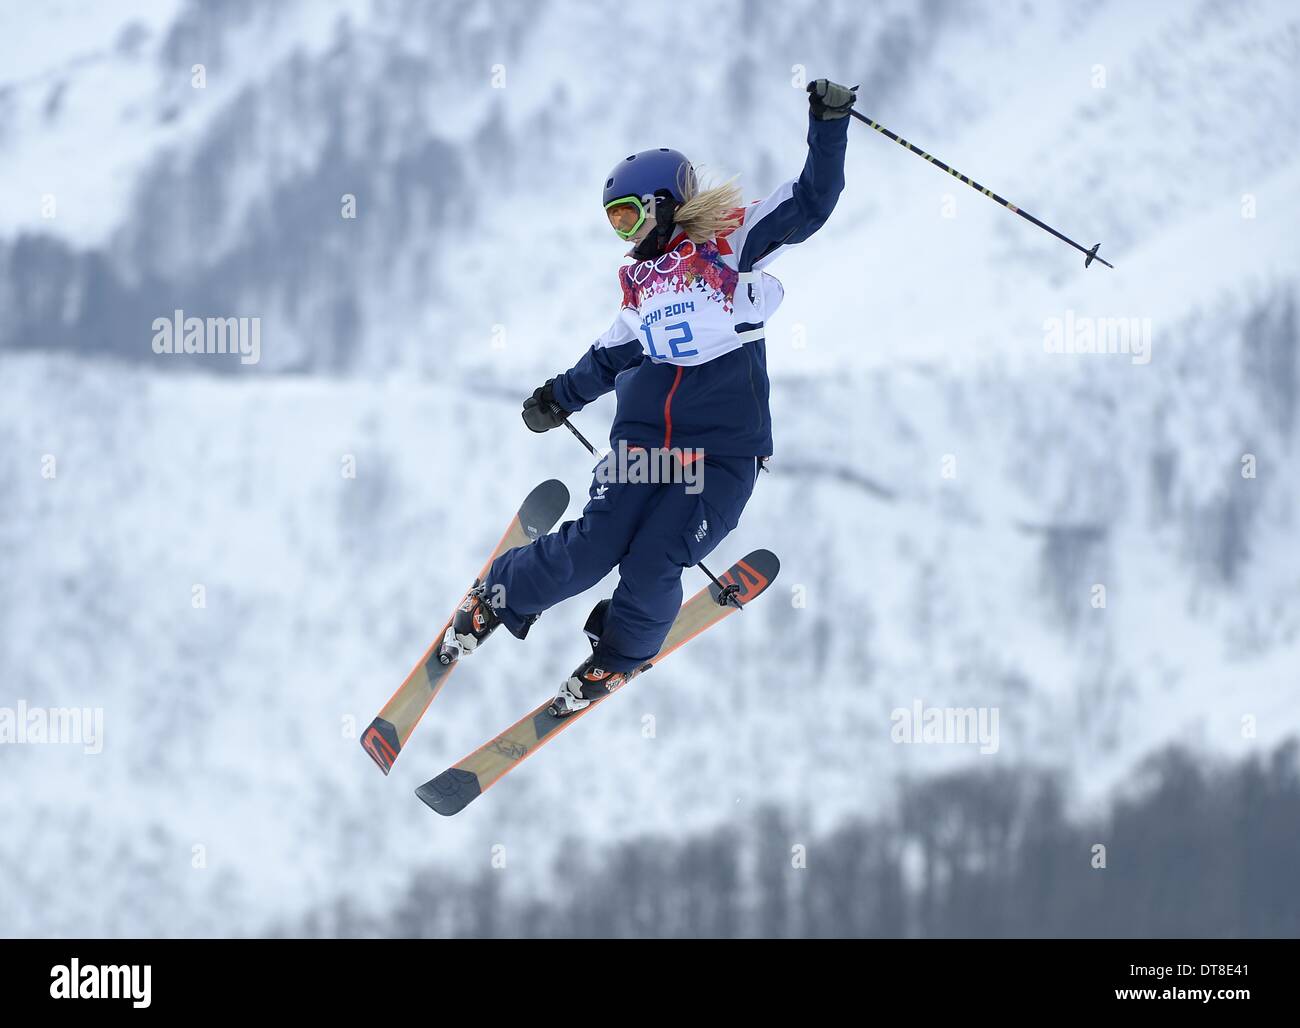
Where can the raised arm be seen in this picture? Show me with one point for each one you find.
(801, 206)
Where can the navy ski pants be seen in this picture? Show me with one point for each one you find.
(649, 531)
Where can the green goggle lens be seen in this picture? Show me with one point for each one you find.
(626, 215)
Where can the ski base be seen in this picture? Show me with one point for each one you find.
(390, 730)
(451, 792)
(458, 786)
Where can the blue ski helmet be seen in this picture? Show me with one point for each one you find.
(648, 173)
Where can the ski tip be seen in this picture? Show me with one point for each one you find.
(753, 573)
(542, 507)
(552, 492)
(451, 792)
(765, 560)
(380, 741)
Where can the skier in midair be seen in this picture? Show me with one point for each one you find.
(687, 360)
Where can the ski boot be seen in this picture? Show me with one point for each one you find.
(587, 684)
(473, 622)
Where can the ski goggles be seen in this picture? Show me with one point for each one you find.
(626, 214)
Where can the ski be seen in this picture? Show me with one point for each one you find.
(453, 790)
(388, 732)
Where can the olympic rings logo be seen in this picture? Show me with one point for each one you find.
(640, 272)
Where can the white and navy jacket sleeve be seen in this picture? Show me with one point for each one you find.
(616, 350)
(801, 206)
(790, 215)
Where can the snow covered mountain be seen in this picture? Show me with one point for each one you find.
(947, 495)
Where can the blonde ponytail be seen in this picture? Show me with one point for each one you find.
(707, 213)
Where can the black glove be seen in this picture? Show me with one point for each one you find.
(541, 412)
(829, 99)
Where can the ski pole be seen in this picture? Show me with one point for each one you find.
(577, 435)
(727, 593)
(1091, 255)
